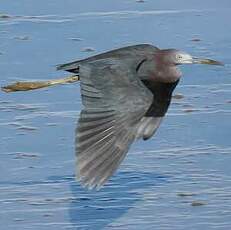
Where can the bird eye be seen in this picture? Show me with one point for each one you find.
(179, 56)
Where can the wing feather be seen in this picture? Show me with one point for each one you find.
(114, 101)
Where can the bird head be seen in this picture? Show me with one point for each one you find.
(178, 57)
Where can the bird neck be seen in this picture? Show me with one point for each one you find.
(156, 69)
(164, 71)
(167, 74)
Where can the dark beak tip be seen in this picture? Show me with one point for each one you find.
(222, 64)
(216, 63)
(212, 62)
(219, 64)
(207, 61)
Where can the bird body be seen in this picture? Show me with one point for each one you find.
(142, 59)
(125, 94)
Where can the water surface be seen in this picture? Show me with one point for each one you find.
(186, 163)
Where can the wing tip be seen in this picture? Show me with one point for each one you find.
(88, 184)
(62, 66)
(70, 67)
(59, 66)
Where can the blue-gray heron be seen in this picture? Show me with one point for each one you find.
(125, 94)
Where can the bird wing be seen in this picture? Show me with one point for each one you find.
(114, 101)
(132, 52)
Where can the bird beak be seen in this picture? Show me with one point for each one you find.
(206, 61)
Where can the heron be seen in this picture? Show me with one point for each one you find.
(125, 93)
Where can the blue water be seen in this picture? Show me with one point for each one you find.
(190, 154)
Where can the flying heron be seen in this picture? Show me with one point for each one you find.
(125, 95)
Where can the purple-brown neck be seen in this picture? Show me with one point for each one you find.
(161, 67)
(165, 67)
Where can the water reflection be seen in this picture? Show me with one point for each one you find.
(97, 210)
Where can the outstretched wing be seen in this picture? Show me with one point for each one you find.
(136, 53)
(114, 102)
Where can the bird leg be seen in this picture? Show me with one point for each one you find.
(25, 86)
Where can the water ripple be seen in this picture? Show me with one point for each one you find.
(9, 19)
